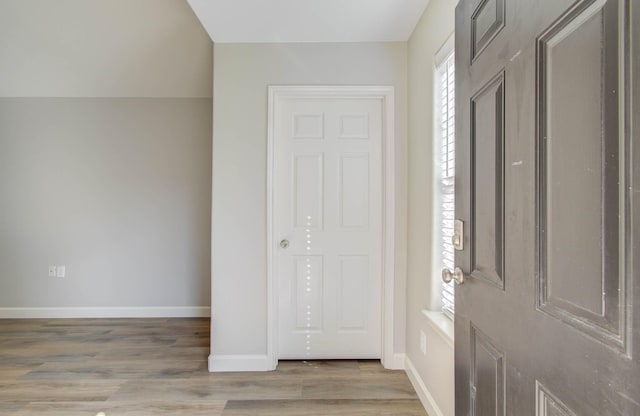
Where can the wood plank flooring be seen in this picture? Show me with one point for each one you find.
(126, 367)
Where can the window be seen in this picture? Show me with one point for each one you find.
(445, 141)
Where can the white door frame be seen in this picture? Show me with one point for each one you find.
(386, 95)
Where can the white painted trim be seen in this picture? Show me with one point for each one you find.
(272, 283)
(233, 363)
(386, 96)
(427, 400)
(444, 51)
(398, 362)
(115, 312)
(389, 231)
(442, 324)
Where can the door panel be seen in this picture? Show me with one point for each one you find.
(308, 126)
(487, 374)
(580, 279)
(487, 21)
(308, 295)
(353, 276)
(354, 192)
(327, 205)
(487, 143)
(559, 334)
(548, 405)
(308, 191)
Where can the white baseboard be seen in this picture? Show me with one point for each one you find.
(425, 396)
(116, 312)
(396, 362)
(228, 363)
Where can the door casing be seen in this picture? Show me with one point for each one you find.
(390, 358)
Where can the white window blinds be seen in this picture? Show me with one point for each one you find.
(446, 140)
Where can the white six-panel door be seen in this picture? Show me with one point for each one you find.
(328, 226)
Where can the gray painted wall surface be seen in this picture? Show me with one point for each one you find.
(116, 189)
(242, 74)
(103, 48)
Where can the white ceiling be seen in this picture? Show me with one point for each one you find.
(248, 21)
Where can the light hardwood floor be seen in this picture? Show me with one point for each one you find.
(75, 367)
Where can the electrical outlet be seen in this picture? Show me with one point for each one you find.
(61, 271)
(423, 343)
(52, 271)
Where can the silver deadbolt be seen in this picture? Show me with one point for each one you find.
(458, 235)
(284, 243)
(457, 275)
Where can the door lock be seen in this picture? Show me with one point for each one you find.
(284, 243)
(458, 235)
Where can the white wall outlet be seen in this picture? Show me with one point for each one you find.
(423, 343)
(52, 271)
(61, 271)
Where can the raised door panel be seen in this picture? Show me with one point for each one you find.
(487, 376)
(354, 191)
(487, 149)
(581, 230)
(308, 296)
(548, 405)
(354, 126)
(353, 293)
(308, 191)
(308, 126)
(486, 22)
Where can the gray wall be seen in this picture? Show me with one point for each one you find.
(242, 74)
(105, 154)
(103, 48)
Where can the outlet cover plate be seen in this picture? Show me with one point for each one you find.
(61, 271)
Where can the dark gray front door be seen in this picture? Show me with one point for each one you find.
(548, 186)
